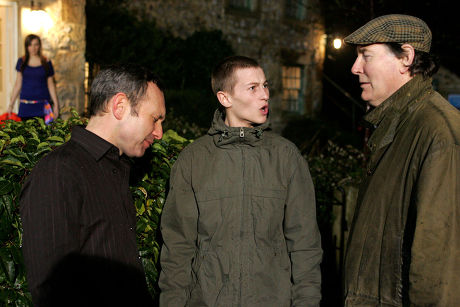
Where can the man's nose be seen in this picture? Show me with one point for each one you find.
(265, 94)
(357, 68)
(158, 132)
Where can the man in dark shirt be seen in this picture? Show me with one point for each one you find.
(79, 241)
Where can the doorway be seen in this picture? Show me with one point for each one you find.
(8, 51)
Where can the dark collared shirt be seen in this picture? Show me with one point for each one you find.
(78, 216)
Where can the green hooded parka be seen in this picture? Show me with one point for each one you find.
(239, 224)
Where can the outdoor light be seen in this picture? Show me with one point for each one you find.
(36, 19)
(337, 43)
(35, 8)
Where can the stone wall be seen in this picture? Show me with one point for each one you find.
(264, 34)
(64, 44)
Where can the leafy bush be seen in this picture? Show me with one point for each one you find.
(149, 187)
(182, 126)
(334, 166)
(184, 64)
(22, 144)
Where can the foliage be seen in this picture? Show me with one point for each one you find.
(332, 157)
(182, 126)
(184, 65)
(149, 187)
(22, 144)
(193, 106)
(332, 168)
(334, 165)
(114, 35)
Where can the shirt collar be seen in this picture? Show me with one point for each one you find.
(94, 144)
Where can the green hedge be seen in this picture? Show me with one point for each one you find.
(22, 144)
(332, 169)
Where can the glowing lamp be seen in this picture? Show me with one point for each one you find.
(337, 43)
(36, 19)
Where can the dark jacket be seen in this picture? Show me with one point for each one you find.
(239, 224)
(404, 246)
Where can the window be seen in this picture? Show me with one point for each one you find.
(296, 9)
(245, 5)
(292, 77)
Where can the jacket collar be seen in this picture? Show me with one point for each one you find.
(386, 117)
(403, 98)
(225, 135)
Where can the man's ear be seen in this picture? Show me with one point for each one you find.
(407, 58)
(223, 98)
(119, 105)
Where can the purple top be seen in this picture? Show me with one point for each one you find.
(34, 81)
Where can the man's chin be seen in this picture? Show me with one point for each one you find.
(373, 103)
(367, 99)
(136, 154)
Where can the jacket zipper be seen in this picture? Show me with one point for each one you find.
(242, 234)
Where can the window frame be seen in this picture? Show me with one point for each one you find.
(294, 105)
(251, 7)
(299, 5)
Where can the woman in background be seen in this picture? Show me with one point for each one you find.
(35, 83)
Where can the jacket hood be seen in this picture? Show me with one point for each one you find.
(225, 135)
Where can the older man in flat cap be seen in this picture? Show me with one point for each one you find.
(404, 243)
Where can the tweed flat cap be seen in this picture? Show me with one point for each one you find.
(394, 28)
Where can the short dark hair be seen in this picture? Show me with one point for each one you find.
(130, 79)
(222, 75)
(424, 63)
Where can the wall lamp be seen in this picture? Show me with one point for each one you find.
(337, 43)
(334, 40)
(34, 7)
(36, 19)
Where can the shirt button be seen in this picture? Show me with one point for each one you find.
(114, 171)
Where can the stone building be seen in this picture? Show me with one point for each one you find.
(287, 37)
(61, 26)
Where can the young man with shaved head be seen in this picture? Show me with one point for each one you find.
(239, 224)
